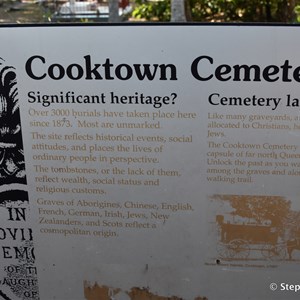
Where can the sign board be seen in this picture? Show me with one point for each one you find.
(150, 162)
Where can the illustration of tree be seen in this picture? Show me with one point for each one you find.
(274, 209)
(12, 165)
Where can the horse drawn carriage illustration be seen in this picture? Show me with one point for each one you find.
(239, 240)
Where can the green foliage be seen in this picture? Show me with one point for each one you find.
(224, 10)
(297, 11)
(153, 10)
(243, 10)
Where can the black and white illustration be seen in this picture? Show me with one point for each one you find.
(18, 274)
(12, 165)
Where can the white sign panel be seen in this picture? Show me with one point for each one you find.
(149, 162)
